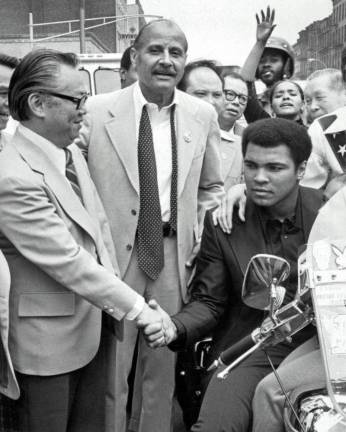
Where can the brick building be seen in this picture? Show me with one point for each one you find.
(319, 45)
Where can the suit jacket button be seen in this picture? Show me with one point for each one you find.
(111, 310)
(128, 247)
(133, 211)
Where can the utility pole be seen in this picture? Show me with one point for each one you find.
(82, 25)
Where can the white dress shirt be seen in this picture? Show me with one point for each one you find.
(322, 162)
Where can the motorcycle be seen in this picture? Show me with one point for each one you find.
(322, 272)
(320, 297)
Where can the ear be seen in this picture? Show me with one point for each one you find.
(133, 56)
(301, 170)
(36, 104)
(122, 73)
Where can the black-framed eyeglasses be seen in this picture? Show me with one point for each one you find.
(230, 95)
(78, 101)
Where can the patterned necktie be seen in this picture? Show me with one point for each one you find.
(71, 174)
(174, 180)
(149, 230)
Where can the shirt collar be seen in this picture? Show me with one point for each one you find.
(338, 124)
(294, 220)
(140, 100)
(55, 154)
(228, 135)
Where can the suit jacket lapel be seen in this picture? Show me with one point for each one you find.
(251, 231)
(59, 184)
(187, 130)
(122, 133)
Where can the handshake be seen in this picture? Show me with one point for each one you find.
(157, 327)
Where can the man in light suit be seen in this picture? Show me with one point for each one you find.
(111, 139)
(55, 237)
(8, 382)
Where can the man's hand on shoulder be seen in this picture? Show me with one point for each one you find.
(223, 215)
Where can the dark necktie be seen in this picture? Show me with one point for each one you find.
(149, 230)
(174, 180)
(71, 174)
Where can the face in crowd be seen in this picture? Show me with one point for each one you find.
(287, 101)
(322, 97)
(47, 94)
(5, 76)
(159, 58)
(236, 98)
(275, 153)
(270, 174)
(271, 66)
(205, 84)
(63, 117)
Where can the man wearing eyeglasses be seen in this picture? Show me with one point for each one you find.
(55, 237)
(236, 97)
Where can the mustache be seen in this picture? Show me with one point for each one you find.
(165, 72)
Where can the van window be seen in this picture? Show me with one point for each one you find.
(106, 80)
(86, 79)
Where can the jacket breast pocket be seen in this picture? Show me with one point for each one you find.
(46, 304)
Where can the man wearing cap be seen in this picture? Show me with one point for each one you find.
(270, 60)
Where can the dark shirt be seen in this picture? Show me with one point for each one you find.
(254, 110)
(284, 239)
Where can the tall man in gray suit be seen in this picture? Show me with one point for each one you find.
(153, 155)
(55, 237)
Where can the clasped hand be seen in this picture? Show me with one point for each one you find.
(157, 327)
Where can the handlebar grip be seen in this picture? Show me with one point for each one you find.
(235, 350)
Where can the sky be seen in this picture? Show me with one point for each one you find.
(225, 30)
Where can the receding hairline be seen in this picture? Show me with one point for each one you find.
(333, 77)
(139, 39)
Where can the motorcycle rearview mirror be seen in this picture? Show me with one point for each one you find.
(261, 285)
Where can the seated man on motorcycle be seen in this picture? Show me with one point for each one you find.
(279, 215)
(303, 368)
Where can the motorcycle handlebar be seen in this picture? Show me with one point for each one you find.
(235, 350)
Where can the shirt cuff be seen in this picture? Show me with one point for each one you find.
(136, 310)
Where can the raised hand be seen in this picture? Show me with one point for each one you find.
(265, 25)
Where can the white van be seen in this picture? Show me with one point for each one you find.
(100, 71)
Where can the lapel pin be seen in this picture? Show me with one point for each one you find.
(187, 137)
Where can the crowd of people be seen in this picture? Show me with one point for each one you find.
(119, 246)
